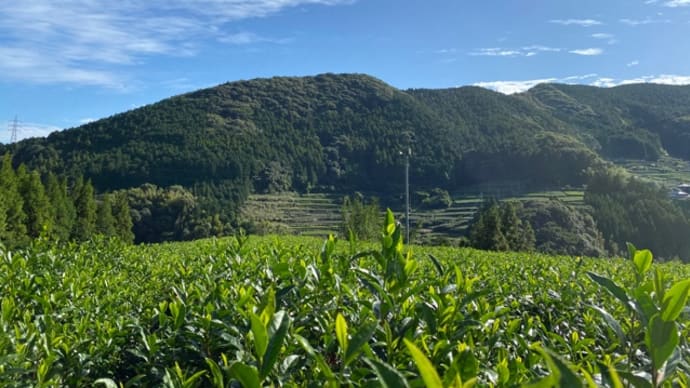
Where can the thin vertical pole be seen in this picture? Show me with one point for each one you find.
(407, 195)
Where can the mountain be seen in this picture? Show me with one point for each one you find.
(347, 132)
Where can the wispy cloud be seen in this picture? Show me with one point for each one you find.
(495, 52)
(610, 38)
(633, 63)
(576, 22)
(244, 38)
(512, 87)
(88, 42)
(642, 22)
(587, 51)
(525, 51)
(677, 3)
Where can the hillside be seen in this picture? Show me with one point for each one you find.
(341, 133)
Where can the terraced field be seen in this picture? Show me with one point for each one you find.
(320, 214)
(667, 172)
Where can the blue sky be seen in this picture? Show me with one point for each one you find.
(67, 62)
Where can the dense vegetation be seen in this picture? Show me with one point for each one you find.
(189, 162)
(282, 312)
(619, 208)
(346, 131)
(56, 210)
(628, 209)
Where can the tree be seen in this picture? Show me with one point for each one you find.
(486, 231)
(14, 231)
(122, 217)
(63, 212)
(85, 207)
(361, 219)
(36, 205)
(105, 222)
(563, 229)
(518, 234)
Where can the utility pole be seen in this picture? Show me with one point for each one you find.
(407, 194)
(14, 128)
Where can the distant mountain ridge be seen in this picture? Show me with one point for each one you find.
(345, 132)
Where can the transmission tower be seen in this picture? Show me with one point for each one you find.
(14, 129)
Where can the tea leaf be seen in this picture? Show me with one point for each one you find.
(675, 300)
(425, 367)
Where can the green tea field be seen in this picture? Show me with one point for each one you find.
(298, 311)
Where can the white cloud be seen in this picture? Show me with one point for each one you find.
(633, 63)
(610, 38)
(587, 51)
(541, 48)
(526, 51)
(677, 3)
(243, 38)
(511, 87)
(664, 79)
(26, 130)
(86, 42)
(577, 22)
(642, 22)
(86, 120)
(495, 52)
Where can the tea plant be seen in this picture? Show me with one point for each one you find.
(288, 311)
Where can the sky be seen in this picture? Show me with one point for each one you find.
(64, 63)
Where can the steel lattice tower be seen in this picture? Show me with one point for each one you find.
(14, 129)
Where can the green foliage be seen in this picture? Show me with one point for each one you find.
(31, 210)
(14, 225)
(122, 218)
(437, 199)
(658, 310)
(629, 209)
(498, 227)
(563, 229)
(166, 214)
(269, 311)
(63, 211)
(36, 206)
(361, 219)
(344, 133)
(85, 210)
(105, 221)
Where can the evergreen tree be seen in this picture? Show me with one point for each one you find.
(14, 229)
(85, 208)
(519, 234)
(486, 232)
(63, 214)
(105, 222)
(122, 218)
(36, 205)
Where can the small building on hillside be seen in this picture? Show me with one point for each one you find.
(681, 192)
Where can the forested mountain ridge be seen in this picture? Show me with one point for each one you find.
(346, 132)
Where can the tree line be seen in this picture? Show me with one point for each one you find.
(55, 208)
(618, 209)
